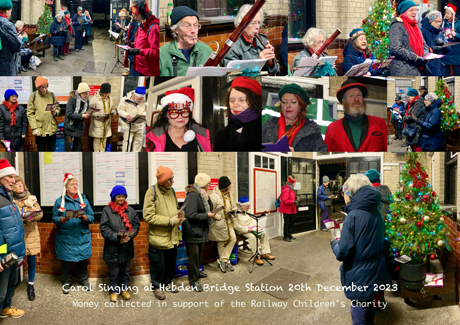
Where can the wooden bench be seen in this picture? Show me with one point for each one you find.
(38, 47)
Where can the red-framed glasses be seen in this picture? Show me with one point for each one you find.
(174, 113)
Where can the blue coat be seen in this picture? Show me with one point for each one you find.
(352, 56)
(11, 226)
(431, 137)
(87, 25)
(77, 27)
(430, 34)
(11, 45)
(361, 244)
(57, 35)
(321, 197)
(73, 239)
(453, 57)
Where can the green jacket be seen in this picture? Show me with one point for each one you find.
(200, 51)
(157, 215)
(38, 117)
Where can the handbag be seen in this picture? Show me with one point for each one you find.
(409, 131)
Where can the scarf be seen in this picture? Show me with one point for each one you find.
(207, 208)
(120, 209)
(246, 116)
(106, 110)
(415, 36)
(69, 23)
(295, 128)
(225, 215)
(20, 196)
(78, 108)
(12, 108)
(4, 16)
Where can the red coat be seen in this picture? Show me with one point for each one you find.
(287, 200)
(148, 41)
(374, 133)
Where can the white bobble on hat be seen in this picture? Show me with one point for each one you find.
(189, 136)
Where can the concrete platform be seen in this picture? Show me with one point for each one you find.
(396, 145)
(309, 254)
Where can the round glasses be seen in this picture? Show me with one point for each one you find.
(189, 26)
(175, 113)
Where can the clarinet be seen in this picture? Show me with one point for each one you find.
(264, 45)
(326, 44)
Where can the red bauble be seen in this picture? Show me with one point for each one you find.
(419, 224)
(396, 214)
(407, 197)
(426, 197)
(433, 193)
(432, 257)
(364, 21)
(383, 33)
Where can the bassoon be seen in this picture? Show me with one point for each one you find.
(328, 42)
(215, 58)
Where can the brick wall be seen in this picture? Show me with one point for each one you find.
(32, 9)
(219, 164)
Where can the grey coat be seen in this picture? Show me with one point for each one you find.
(404, 62)
(418, 110)
(74, 123)
(308, 138)
(243, 50)
(11, 45)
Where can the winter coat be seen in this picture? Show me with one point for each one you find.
(38, 117)
(101, 118)
(431, 135)
(68, 30)
(77, 27)
(308, 138)
(243, 50)
(453, 57)
(404, 62)
(305, 53)
(74, 123)
(352, 56)
(288, 201)
(57, 35)
(400, 107)
(32, 235)
(242, 222)
(147, 40)
(131, 36)
(11, 226)
(111, 223)
(198, 56)
(386, 198)
(222, 225)
(73, 238)
(11, 45)
(157, 212)
(87, 25)
(323, 196)
(228, 139)
(430, 35)
(10, 132)
(361, 244)
(417, 109)
(373, 135)
(156, 139)
(195, 228)
(128, 106)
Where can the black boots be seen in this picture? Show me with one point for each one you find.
(31, 292)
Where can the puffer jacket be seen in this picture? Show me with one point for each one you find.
(10, 132)
(128, 106)
(57, 35)
(416, 108)
(157, 212)
(101, 119)
(195, 228)
(32, 235)
(431, 34)
(221, 228)
(74, 123)
(287, 197)
(453, 57)
(431, 135)
(386, 198)
(38, 117)
(11, 226)
(228, 139)
(360, 246)
(352, 56)
(11, 45)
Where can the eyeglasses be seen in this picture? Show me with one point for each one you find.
(170, 179)
(173, 114)
(43, 87)
(256, 23)
(189, 26)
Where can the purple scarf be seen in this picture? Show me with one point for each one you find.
(246, 116)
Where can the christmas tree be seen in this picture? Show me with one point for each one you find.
(449, 117)
(44, 22)
(377, 25)
(415, 227)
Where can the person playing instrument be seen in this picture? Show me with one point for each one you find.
(25, 53)
(313, 39)
(452, 23)
(356, 131)
(248, 46)
(185, 51)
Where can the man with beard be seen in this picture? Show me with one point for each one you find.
(356, 131)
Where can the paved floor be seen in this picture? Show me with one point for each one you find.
(99, 54)
(309, 254)
(396, 145)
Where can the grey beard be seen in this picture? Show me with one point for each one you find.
(353, 111)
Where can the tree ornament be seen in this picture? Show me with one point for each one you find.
(403, 220)
(426, 218)
(433, 193)
(426, 197)
(419, 224)
(416, 209)
(408, 197)
(432, 257)
(440, 243)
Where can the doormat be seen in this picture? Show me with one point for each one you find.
(95, 67)
(285, 279)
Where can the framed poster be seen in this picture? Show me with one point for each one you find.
(265, 185)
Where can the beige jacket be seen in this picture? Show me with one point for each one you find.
(242, 222)
(102, 117)
(220, 229)
(127, 107)
(38, 117)
(32, 235)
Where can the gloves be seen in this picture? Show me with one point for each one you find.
(438, 42)
(134, 51)
(36, 132)
(436, 49)
(333, 241)
(421, 62)
(175, 221)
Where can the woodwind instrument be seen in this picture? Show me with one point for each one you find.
(216, 57)
(23, 29)
(328, 42)
(264, 45)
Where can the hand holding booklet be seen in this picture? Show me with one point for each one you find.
(74, 213)
(50, 107)
(255, 230)
(30, 214)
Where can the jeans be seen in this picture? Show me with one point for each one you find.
(194, 254)
(67, 271)
(288, 223)
(8, 279)
(398, 130)
(324, 215)
(362, 315)
(132, 72)
(57, 50)
(119, 276)
(76, 143)
(78, 40)
(32, 267)
(47, 143)
(162, 265)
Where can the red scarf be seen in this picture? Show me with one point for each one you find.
(4, 16)
(292, 131)
(120, 209)
(12, 108)
(415, 36)
(74, 197)
(68, 20)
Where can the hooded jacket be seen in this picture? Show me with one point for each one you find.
(228, 139)
(195, 228)
(74, 123)
(417, 108)
(156, 139)
(360, 246)
(147, 40)
(11, 45)
(430, 35)
(352, 56)
(287, 197)
(11, 226)
(431, 136)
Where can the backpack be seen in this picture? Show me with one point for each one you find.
(155, 197)
(35, 93)
(278, 201)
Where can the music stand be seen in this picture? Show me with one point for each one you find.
(257, 254)
(116, 35)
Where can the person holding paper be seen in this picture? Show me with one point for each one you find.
(132, 119)
(77, 23)
(356, 131)
(21, 196)
(303, 134)
(185, 51)
(121, 26)
(129, 41)
(249, 45)
(161, 212)
(58, 34)
(397, 116)
(73, 237)
(221, 228)
(313, 39)
(247, 227)
(288, 207)
(324, 201)
(87, 27)
(175, 129)
(43, 122)
(10, 41)
(75, 116)
(68, 33)
(451, 28)
(11, 235)
(406, 43)
(415, 112)
(119, 226)
(13, 122)
(23, 58)
(360, 248)
(100, 128)
(244, 109)
(356, 52)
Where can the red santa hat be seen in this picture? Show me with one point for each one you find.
(291, 180)
(6, 169)
(451, 8)
(184, 96)
(67, 178)
(137, 7)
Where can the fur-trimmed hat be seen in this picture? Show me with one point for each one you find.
(184, 96)
(6, 168)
